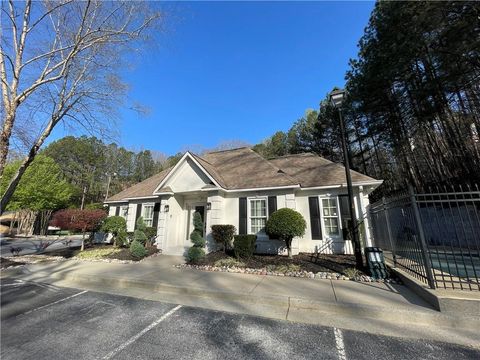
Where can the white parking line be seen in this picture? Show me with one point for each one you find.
(339, 344)
(136, 337)
(53, 303)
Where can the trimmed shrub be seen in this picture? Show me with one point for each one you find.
(139, 235)
(223, 234)
(285, 224)
(137, 250)
(140, 224)
(195, 254)
(114, 224)
(121, 239)
(197, 239)
(244, 246)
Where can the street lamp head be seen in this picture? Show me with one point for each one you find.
(336, 97)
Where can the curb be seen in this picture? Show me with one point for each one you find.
(286, 303)
(461, 302)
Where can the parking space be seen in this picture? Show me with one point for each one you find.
(46, 322)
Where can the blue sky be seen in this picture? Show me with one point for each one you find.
(230, 70)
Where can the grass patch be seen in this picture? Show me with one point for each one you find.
(98, 253)
(229, 262)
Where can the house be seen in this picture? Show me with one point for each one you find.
(241, 188)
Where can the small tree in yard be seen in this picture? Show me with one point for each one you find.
(137, 247)
(79, 220)
(223, 234)
(285, 224)
(117, 226)
(196, 252)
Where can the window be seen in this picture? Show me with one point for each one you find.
(148, 214)
(258, 215)
(124, 211)
(330, 216)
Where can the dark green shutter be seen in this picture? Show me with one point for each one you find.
(138, 213)
(315, 218)
(242, 216)
(272, 205)
(156, 211)
(117, 211)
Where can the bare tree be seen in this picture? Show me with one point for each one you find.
(60, 63)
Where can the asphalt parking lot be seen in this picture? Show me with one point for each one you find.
(41, 321)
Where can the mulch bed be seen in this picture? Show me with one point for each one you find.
(307, 262)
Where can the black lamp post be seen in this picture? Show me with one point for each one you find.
(336, 98)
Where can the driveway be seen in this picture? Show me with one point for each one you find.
(42, 321)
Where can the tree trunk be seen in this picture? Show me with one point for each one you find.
(26, 162)
(83, 241)
(5, 139)
(289, 248)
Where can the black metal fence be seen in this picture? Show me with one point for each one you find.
(433, 235)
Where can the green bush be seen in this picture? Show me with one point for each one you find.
(137, 250)
(121, 239)
(285, 224)
(114, 225)
(195, 254)
(223, 234)
(139, 236)
(197, 239)
(94, 206)
(244, 246)
(140, 224)
(151, 233)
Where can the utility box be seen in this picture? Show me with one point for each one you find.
(376, 263)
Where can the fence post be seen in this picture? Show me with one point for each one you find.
(421, 235)
(389, 230)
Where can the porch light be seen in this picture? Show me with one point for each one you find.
(166, 208)
(209, 206)
(336, 97)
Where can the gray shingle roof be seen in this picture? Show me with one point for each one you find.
(311, 170)
(245, 169)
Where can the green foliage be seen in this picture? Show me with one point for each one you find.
(94, 206)
(197, 239)
(140, 224)
(150, 232)
(121, 239)
(196, 251)
(87, 163)
(229, 262)
(197, 222)
(195, 254)
(244, 246)
(114, 225)
(42, 186)
(223, 234)
(285, 224)
(139, 236)
(138, 250)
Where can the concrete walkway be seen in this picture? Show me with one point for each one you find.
(373, 307)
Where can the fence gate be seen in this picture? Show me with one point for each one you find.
(432, 235)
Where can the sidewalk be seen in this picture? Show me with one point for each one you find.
(373, 307)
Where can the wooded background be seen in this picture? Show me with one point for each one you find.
(413, 105)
